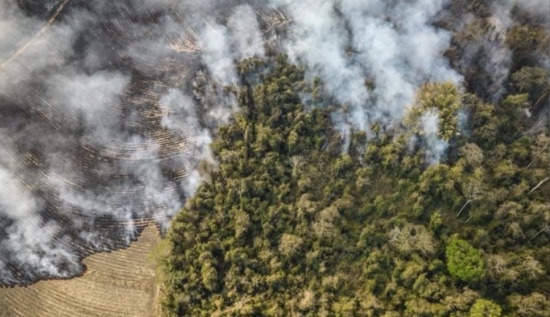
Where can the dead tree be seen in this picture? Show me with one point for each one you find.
(545, 229)
(472, 193)
(539, 185)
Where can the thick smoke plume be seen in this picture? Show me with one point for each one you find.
(390, 44)
(107, 107)
(100, 132)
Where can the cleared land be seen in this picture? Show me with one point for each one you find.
(119, 283)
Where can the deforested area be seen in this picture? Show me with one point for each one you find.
(299, 158)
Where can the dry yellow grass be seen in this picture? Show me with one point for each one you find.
(119, 283)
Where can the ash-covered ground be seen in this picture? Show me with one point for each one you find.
(100, 128)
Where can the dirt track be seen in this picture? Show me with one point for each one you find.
(119, 283)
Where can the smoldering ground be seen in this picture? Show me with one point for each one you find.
(93, 143)
(101, 129)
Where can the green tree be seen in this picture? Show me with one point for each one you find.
(534, 81)
(464, 261)
(443, 97)
(286, 224)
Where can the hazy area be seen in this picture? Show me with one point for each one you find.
(118, 116)
(104, 117)
(118, 283)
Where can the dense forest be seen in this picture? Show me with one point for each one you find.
(297, 219)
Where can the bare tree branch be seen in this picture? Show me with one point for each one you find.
(463, 206)
(545, 229)
(539, 185)
(472, 193)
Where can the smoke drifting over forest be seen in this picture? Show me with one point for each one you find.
(107, 108)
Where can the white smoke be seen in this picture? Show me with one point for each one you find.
(182, 117)
(77, 99)
(223, 45)
(75, 152)
(29, 240)
(319, 39)
(23, 55)
(486, 48)
(95, 97)
(391, 44)
(540, 8)
(217, 54)
(435, 146)
(244, 31)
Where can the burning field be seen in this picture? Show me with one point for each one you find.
(99, 124)
(119, 283)
(108, 109)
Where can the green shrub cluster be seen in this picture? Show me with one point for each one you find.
(464, 261)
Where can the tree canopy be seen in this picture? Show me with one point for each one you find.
(300, 219)
(464, 261)
(290, 223)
